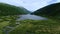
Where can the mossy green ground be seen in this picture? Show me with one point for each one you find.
(49, 26)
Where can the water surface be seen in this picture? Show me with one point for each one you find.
(33, 17)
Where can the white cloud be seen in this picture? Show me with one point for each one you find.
(31, 5)
(58, 0)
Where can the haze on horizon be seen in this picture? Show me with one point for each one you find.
(30, 5)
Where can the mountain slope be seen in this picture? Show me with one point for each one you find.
(6, 9)
(50, 11)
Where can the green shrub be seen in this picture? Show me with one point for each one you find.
(1, 32)
(37, 27)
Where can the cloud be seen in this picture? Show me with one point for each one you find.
(34, 4)
(53, 1)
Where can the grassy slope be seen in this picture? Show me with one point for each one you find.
(37, 27)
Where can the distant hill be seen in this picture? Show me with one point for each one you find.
(7, 9)
(50, 11)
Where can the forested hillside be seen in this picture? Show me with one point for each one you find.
(7, 9)
(50, 11)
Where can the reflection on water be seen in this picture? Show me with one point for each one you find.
(33, 17)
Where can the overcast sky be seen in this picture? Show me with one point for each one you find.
(31, 5)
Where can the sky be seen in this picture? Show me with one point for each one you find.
(30, 5)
